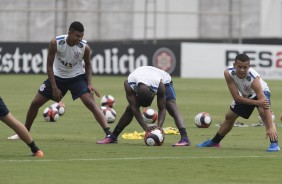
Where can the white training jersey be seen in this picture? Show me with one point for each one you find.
(148, 75)
(244, 85)
(68, 61)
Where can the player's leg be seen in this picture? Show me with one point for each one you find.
(179, 122)
(173, 111)
(228, 123)
(89, 101)
(32, 112)
(265, 115)
(22, 132)
(123, 122)
(79, 89)
(19, 128)
(226, 126)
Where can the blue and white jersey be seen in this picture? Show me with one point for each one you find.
(150, 76)
(68, 61)
(244, 85)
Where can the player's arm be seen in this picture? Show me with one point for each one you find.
(234, 91)
(52, 49)
(88, 70)
(261, 99)
(264, 108)
(161, 102)
(134, 106)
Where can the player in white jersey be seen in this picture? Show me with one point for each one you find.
(67, 72)
(141, 86)
(249, 91)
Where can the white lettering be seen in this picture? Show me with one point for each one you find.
(97, 64)
(36, 61)
(17, 57)
(26, 58)
(44, 59)
(7, 63)
(131, 60)
(115, 61)
(122, 64)
(111, 63)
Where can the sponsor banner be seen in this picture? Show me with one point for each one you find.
(23, 57)
(207, 60)
(106, 58)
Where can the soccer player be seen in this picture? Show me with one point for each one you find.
(19, 128)
(67, 72)
(248, 91)
(141, 86)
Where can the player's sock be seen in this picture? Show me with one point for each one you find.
(107, 131)
(275, 141)
(33, 147)
(183, 133)
(217, 138)
(117, 131)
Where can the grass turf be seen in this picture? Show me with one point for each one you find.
(72, 156)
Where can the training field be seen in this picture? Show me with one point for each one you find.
(73, 157)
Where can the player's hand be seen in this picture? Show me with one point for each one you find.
(263, 103)
(57, 94)
(93, 90)
(150, 128)
(272, 134)
(153, 127)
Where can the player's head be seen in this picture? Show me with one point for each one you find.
(242, 65)
(76, 26)
(76, 32)
(144, 95)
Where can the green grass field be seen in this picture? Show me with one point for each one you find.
(72, 155)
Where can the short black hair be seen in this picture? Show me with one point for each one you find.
(242, 57)
(76, 26)
(144, 95)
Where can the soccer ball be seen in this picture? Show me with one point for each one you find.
(154, 137)
(60, 107)
(203, 120)
(109, 113)
(50, 114)
(108, 100)
(150, 115)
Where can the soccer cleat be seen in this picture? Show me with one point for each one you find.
(182, 142)
(14, 137)
(38, 154)
(274, 147)
(208, 143)
(107, 140)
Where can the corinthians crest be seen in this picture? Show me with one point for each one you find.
(76, 55)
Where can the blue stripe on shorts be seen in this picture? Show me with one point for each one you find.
(170, 92)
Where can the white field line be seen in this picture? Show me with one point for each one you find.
(136, 158)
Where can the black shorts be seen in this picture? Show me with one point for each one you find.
(76, 85)
(3, 108)
(245, 111)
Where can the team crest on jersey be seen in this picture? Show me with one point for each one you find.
(76, 55)
(42, 87)
(233, 72)
(248, 78)
(62, 42)
(80, 45)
